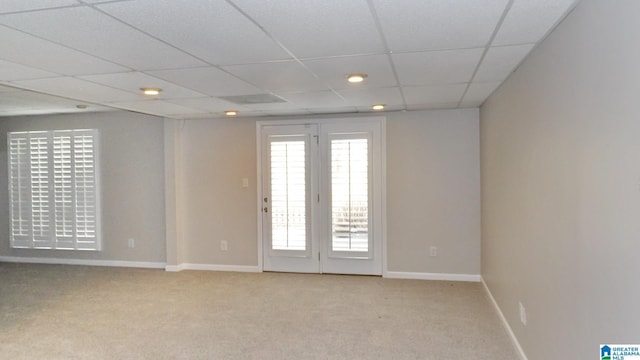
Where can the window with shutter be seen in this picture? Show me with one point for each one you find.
(54, 189)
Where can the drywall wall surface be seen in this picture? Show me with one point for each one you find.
(433, 191)
(217, 155)
(560, 165)
(132, 179)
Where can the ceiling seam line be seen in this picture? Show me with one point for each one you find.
(486, 49)
(178, 49)
(283, 47)
(388, 52)
(67, 47)
(43, 9)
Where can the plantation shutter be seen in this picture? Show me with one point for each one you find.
(20, 190)
(63, 189)
(289, 194)
(40, 194)
(54, 187)
(86, 199)
(350, 193)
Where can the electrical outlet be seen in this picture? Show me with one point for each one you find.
(523, 314)
(223, 245)
(433, 251)
(132, 243)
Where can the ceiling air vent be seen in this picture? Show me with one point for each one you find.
(253, 99)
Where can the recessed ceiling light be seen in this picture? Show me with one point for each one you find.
(150, 91)
(378, 107)
(356, 78)
(231, 112)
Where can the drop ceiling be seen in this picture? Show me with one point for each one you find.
(209, 56)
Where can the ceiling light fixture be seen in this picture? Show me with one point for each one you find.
(356, 78)
(378, 107)
(81, 106)
(231, 112)
(151, 91)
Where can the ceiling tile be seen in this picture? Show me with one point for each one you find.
(387, 108)
(8, 6)
(22, 102)
(315, 99)
(433, 106)
(218, 115)
(411, 25)
(500, 61)
(92, 32)
(369, 97)
(224, 35)
(25, 49)
(207, 80)
(282, 76)
(102, 1)
(331, 110)
(428, 95)
(274, 106)
(528, 21)
(77, 89)
(334, 71)
(103, 51)
(478, 92)
(317, 28)
(194, 116)
(437, 67)
(286, 112)
(154, 107)
(6, 89)
(208, 104)
(11, 71)
(134, 81)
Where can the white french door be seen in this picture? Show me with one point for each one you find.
(321, 201)
(289, 156)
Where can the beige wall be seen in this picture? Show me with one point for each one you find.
(560, 145)
(217, 154)
(433, 191)
(132, 173)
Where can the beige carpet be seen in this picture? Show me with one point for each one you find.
(79, 312)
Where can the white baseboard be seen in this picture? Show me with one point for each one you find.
(174, 268)
(432, 276)
(89, 262)
(212, 267)
(512, 336)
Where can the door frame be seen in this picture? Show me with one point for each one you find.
(379, 120)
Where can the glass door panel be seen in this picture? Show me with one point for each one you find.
(349, 195)
(288, 195)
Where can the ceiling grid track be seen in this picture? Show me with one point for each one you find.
(280, 58)
(486, 49)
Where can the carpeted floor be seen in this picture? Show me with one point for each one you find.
(80, 312)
